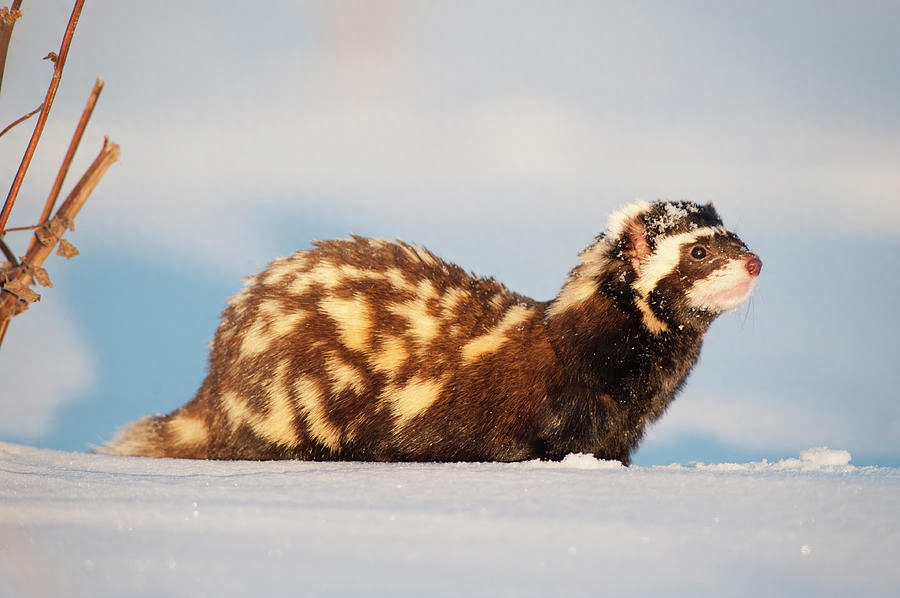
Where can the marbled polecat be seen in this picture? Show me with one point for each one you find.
(372, 350)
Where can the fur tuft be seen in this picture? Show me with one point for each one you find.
(140, 438)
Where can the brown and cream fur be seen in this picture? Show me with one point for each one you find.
(365, 349)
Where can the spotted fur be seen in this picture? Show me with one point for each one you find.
(365, 349)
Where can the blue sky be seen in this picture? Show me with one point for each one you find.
(497, 134)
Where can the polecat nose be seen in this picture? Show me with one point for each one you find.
(753, 265)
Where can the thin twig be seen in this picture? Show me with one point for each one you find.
(20, 120)
(8, 253)
(51, 232)
(45, 111)
(18, 229)
(6, 28)
(70, 154)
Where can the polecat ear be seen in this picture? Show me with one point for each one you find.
(637, 247)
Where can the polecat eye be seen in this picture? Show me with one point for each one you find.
(698, 252)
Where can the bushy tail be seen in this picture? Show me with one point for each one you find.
(142, 438)
(177, 435)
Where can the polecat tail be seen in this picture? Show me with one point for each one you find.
(142, 438)
(178, 435)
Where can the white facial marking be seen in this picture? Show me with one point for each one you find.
(667, 256)
(724, 289)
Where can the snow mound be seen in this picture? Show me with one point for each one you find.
(818, 459)
(824, 457)
(577, 461)
(587, 461)
(813, 459)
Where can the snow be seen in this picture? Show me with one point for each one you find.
(814, 459)
(93, 525)
(673, 216)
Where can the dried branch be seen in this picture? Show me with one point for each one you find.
(8, 18)
(8, 253)
(60, 63)
(15, 229)
(20, 120)
(70, 154)
(15, 294)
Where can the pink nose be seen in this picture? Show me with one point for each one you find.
(753, 265)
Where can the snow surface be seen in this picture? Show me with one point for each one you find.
(75, 524)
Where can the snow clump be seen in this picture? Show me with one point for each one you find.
(812, 459)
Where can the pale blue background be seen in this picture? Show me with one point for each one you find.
(499, 135)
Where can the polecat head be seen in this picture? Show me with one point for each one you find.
(674, 261)
(687, 265)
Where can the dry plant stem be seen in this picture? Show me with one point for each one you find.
(18, 229)
(42, 119)
(20, 120)
(70, 154)
(6, 28)
(8, 253)
(50, 234)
